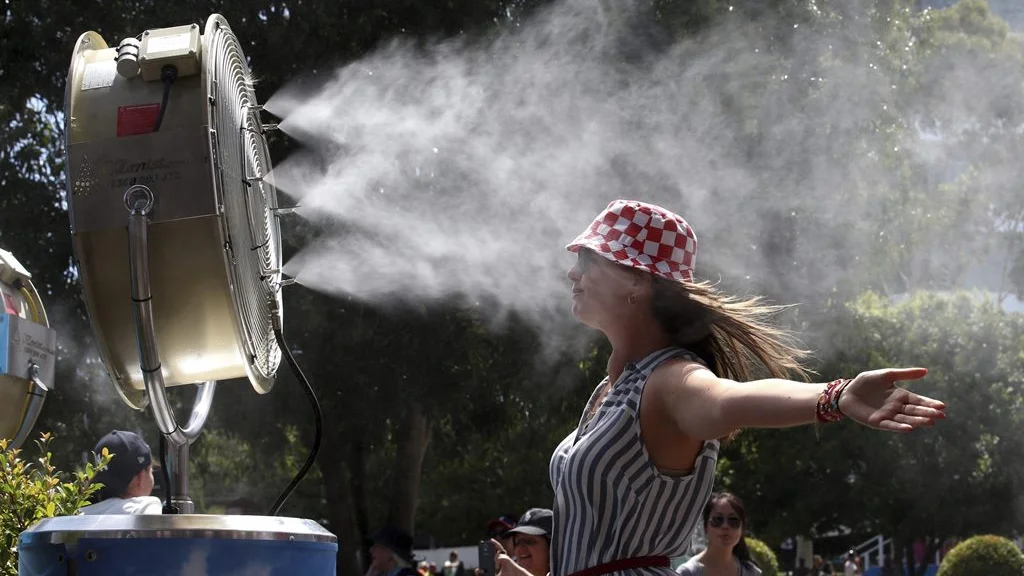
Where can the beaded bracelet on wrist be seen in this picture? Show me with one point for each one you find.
(827, 409)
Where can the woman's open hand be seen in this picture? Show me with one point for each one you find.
(874, 399)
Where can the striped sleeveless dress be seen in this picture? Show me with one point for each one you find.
(611, 502)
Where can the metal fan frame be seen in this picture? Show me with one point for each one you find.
(139, 201)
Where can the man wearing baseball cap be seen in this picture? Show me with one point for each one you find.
(128, 478)
(531, 540)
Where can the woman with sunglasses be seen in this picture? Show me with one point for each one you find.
(725, 522)
(631, 480)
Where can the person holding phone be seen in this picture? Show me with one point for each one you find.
(631, 481)
(725, 522)
(531, 540)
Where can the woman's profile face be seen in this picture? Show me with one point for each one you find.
(724, 527)
(600, 289)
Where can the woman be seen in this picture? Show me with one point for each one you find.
(725, 522)
(630, 482)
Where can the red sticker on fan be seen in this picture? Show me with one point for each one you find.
(9, 306)
(139, 119)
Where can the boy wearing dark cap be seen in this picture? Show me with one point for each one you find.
(128, 478)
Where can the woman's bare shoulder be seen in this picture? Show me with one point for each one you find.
(682, 372)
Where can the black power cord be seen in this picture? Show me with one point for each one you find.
(168, 74)
(317, 421)
(166, 476)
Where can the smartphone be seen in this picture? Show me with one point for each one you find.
(487, 553)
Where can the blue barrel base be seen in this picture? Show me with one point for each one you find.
(184, 545)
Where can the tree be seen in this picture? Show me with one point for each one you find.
(976, 134)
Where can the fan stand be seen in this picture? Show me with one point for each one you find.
(139, 201)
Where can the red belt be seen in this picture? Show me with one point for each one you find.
(625, 564)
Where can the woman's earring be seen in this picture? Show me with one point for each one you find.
(631, 299)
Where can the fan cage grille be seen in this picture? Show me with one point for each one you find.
(249, 202)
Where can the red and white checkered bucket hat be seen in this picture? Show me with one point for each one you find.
(643, 236)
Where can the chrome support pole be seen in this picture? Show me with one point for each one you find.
(139, 201)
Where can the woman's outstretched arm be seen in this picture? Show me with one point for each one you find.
(705, 407)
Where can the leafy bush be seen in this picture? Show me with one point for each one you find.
(764, 556)
(31, 491)
(988, 555)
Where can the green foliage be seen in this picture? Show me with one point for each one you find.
(980, 197)
(763, 556)
(31, 491)
(989, 555)
(967, 25)
(227, 466)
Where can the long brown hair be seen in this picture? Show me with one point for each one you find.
(734, 337)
